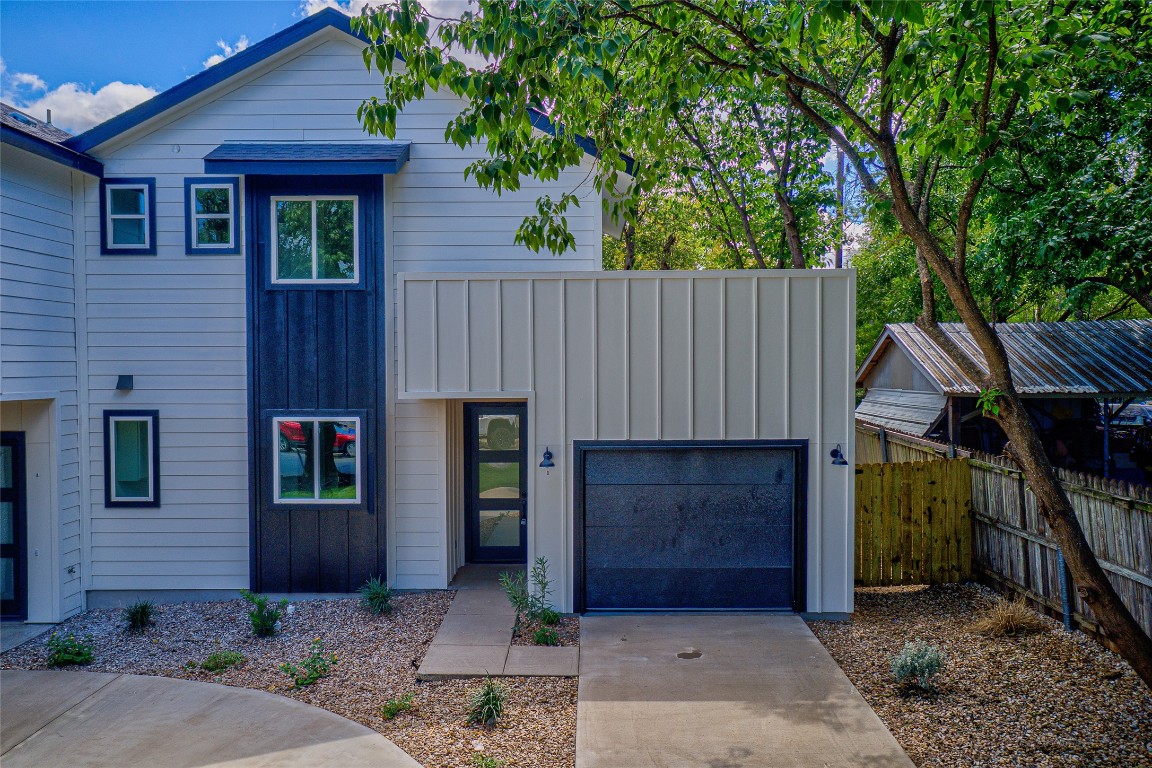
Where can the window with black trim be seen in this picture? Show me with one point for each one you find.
(210, 210)
(315, 240)
(128, 217)
(132, 458)
(316, 460)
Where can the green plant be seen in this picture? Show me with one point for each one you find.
(221, 660)
(265, 618)
(487, 703)
(484, 761)
(315, 666)
(549, 617)
(393, 707)
(139, 616)
(516, 589)
(546, 636)
(986, 402)
(376, 596)
(68, 650)
(538, 601)
(917, 664)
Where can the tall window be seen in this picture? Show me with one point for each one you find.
(128, 216)
(131, 459)
(317, 461)
(315, 240)
(211, 220)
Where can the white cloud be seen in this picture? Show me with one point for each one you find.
(226, 51)
(75, 107)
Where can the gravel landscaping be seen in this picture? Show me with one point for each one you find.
(1045, 699)
(377, 659)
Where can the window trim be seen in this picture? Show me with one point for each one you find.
(315, 418)
(274, 249)
(152, 418)
(193, 183)
(107, 248)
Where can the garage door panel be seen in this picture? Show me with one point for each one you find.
(688, 467)
(690, 506)
(687, 588)
(743, 546)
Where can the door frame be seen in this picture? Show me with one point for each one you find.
(18, 495)
(473, 505)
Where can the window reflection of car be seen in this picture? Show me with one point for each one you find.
(291, 435)
(345, 439)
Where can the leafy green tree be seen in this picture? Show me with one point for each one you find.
(667, 232)
(914, 94)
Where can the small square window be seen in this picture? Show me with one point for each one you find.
(316, 460)
(315, 240)
(131, 459)
(211, 221)
(128, 217)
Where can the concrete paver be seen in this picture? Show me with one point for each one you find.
(474, 629)
(542, 661)
(447, 661)
(97, 720)
(720, 690)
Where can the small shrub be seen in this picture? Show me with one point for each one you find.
(376, 596)
(484, 761)
(917, 664)
(316, 666)
(516, 589)
(265, 618)
(222, 660)
(487, 703)
(546, 636)
(549, 617)
(1009, 617)
(538, 601)
(393, 707)
(64, 651)
(139, 616)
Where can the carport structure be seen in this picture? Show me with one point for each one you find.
(679, 433)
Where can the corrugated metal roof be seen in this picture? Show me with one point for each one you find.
(1095, 358)
(914, 413)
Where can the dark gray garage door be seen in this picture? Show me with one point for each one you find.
(664, 526)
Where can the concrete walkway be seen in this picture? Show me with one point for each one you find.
(720, 690)
(95, 720)
(475, 638)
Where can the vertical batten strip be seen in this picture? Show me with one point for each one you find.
(436, 335)
(723, 327)
(787, 356)
(500, 335)
(627, 395)
(595, 359)
(532, 334)
(659, 359)
(818, 588)
(467, 335)
(755, 357)
(692, 360)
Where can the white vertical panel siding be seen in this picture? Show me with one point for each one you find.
(672, 356)
(38, 358)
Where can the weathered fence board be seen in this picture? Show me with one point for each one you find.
(913, 524)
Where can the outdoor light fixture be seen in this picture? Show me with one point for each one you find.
(123, 383)
(547, 463)
(837, 455)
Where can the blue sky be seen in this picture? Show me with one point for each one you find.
(88, 60)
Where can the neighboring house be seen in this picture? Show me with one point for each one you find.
(285, 355)
(1073, 377)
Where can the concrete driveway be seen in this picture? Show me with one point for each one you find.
(720, 691)
(122, 721)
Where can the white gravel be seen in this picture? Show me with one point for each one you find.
(377, 661)
(1047, 699)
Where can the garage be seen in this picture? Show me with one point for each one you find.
(666, 526)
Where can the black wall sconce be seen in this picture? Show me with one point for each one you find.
(124, 383)
(547, 462)
(837, 455)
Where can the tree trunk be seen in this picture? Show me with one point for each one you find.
(629, 246)
(791, 229)
(927, 290)
(666, 253)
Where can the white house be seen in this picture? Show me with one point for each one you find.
(245, 344)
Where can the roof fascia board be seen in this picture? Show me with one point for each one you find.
(51, 151)
(214, 76)
(301, 167)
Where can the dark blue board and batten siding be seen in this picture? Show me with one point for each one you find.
(690, 526)
(316, 350)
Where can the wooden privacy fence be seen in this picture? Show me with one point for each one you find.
(874, 445)
(913, 523)
(1013, 549)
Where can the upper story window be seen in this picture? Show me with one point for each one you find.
(315, 240)
(211, 221)
(128, 217)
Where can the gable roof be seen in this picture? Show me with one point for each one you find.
(327, 18)
(21, 130)
(1094, 358)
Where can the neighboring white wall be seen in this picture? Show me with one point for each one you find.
(176, 322)
(38, 363)
(664, 356)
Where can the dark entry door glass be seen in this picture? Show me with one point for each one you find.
(13, 565)
(496, 482)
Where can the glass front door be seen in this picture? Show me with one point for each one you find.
(496, 482)
(13, 566)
